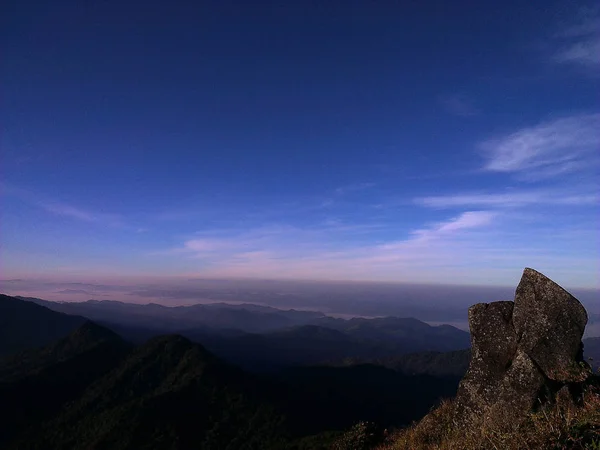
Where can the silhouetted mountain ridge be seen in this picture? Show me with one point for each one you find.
(36, 384)
(440, 364)
(285, 338)
(168, 393)
(591, 349)
(312, 344)
(86, 338)
(224, 315)
(25, 325)
(213, 316)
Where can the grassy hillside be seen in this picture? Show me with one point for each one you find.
(36, 385)
(557, 427)
(169, 393)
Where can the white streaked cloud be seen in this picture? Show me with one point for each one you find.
(282, 239)
(465, 221)
(509, 200)
(469, 219)
(62, 209)
(320, 253)
(223, 243)
(439, 252)
(548, 149)
(579, 43)
(586, 52)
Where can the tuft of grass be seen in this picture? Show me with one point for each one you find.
(555, 427)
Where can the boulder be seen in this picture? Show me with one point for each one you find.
(493, 346)
(523, 352)
(549, 323)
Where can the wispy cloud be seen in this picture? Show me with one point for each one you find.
(579, 43)
(469, 219)
(472, 242)
(459, 105)
(66, 210)
(465, 221)
(510, 199)
(321, 253)
(548, 149)
(73, 212)
(211, 244)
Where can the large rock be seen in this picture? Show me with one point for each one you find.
(493, 346)
(523, 352)
(549, 323)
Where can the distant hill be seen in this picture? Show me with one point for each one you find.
(210, 317)
(25, 325)
(36, 384)
(439, 364)
(297, 346)
(591, 349)
(88, 338)
(312, 338)
(169, 393)
(338, 397)
(311, 344)
(413, 334)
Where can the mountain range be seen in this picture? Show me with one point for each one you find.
(215, 316)
(94, 389)
(263, 338)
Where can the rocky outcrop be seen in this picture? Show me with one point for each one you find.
(525, 353)
(549, 323)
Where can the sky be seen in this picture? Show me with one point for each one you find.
(421, 142)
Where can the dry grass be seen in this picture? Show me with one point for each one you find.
(553, 428)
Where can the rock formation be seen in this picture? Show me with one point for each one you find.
(525, 353)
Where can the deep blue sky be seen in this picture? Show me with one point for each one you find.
(426, 141)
